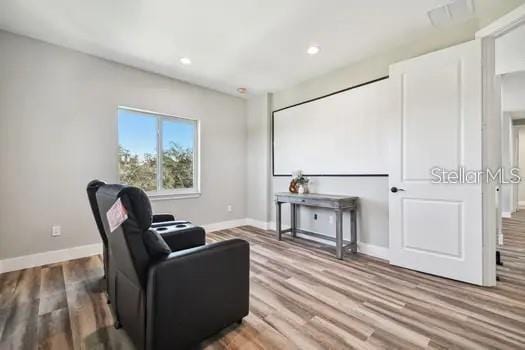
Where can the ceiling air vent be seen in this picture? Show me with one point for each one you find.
(454, 12)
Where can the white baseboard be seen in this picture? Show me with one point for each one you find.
(224, 225)
(363, 248)
(50, 257)
(373, 250)
(272, 225)
(257, 223)
(506, 214)
(55, 256)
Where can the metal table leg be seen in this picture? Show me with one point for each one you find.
(353, 230)
(339, 233)
(293, 221)
(278, 219)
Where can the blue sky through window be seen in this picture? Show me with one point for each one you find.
(179, 132)
(138, 132)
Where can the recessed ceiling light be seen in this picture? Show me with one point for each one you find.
(313, 50)
(185, 60)
(241, 90)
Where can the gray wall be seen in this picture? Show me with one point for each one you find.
(258, 165)
(58, 124)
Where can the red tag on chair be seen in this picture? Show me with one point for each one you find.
(116, 215)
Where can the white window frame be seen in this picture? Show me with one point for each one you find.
(160, 193)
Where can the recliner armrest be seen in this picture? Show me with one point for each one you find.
(163, 217)
(180, 239)
(194, 293)
(169, 223)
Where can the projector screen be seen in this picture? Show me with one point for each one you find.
(343, 134)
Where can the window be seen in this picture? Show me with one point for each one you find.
(158, 153)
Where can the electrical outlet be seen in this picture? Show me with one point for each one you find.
(56, 231)
(330, 219)
(315, 216)
(229, 208)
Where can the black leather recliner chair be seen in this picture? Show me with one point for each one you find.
(91, 189)
(159, 220)
(178, 235)
(166, 299)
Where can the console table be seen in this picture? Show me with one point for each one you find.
(338, 203)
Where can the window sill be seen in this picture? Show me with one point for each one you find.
(170, 196)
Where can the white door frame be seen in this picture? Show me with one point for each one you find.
(504, 24)
(491, 130)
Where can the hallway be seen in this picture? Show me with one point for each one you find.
(513, 254)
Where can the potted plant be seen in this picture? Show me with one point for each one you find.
(299, 182)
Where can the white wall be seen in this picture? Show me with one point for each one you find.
(521, 187)
(512, 100)
(510, 51)
(515, 164)
(317, 137)
(58, 111)
(507, 152)
(513, 91)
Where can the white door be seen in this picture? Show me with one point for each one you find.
(437, 228)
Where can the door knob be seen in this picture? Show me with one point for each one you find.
(395, 189)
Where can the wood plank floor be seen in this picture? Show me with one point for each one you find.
(301, 298)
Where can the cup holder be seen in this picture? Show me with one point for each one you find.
(162, 228)
(180, 225)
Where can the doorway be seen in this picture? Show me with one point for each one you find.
(510, 73)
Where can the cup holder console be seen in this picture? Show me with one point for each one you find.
(175, 227)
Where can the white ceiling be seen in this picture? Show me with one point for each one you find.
(257, 44)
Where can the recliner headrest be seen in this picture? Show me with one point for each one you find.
(95, 184)
(134, 200)
(92, 189)
(141, 205)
